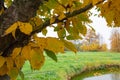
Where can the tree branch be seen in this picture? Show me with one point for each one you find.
(68, 15)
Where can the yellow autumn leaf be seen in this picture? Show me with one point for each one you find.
(2, 10)
(67, 25)
(69, 45)
(52, 20)
(37, 58)
(36, 21)
(13, 34)
(62, 16)
(26, 28)
(41, 42)
(55, 45)
(95, 1)
(13, 73)
(15, 52)
(86, 2)
(11, 29)
(25, 52)
(2, 61)
(19, 61)
(3, 70)
(9, 62)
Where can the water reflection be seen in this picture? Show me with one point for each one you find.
(115, 76)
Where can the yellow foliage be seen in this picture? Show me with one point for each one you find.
(96, 1)
(42, 43)
(16, 52)
(69, 45)
(19, 61)
(2, 61)
(52, 44)
(13, 73)
(36, 58)
(36, 21)
(59, 10)
(13, 34)
(3, 70)
(86, 2)
(55, 45)
(110, 11)
(90, 47)
(9, 62)
(26, 51)
(52, 20)
(62, 16)
(103, 47)
(12, 28)
(25, 27)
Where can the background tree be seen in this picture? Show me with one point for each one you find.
(93, 42)
(23, 19)
(115, 40)
(92, 37)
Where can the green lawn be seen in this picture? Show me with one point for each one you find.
(68, 64)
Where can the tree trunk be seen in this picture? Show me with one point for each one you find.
(20, 10)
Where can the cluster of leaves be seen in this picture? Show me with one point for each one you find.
(8, 2)
(69, 28)
(110, 11)
(33, 52)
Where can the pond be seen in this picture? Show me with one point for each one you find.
(106, 74)
(112, 76)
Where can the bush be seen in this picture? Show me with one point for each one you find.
(93, 47)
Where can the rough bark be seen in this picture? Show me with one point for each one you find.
(20, 10)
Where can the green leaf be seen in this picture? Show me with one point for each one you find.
(51, 54)
(56, 28)
(51, 4)
(61, 33)
(44, 32)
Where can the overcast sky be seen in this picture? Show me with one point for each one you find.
(101, 27)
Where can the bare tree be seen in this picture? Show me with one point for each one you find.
(115, 40)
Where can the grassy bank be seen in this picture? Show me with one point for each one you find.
(69, 64)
